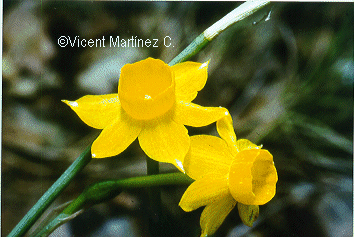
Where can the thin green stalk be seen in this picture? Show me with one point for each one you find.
(192, 49)
(241, 12)
(154, 193)
(48, 197)
(106, 190)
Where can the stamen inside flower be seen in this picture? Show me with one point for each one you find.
(146, 89)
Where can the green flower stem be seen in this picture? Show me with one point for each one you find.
(49, 196)
(154, 192)
(244, 10)
(106, 190)
(197, 44)
(156, 215)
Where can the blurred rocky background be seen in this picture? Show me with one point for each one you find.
(285, 74)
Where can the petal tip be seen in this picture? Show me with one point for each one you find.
(204, 65)
(185, 207)
(180, 165)
(74, 104)
(71, 103)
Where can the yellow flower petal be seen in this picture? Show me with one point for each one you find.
(244, 144)
(190, 78)
(204, 191)
(215, 213)
(116, 137)
(253, 177)
(195, 115)
(97, 111)
(146, 88)
(226, 131)
(207, 154)
(248, 213)
(165, 140)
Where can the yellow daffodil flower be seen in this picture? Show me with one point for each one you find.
(226, 171)
(153, 104)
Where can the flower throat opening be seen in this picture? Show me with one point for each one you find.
(146, 89)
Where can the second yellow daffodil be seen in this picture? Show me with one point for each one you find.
(153, 104)
(226, 171)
